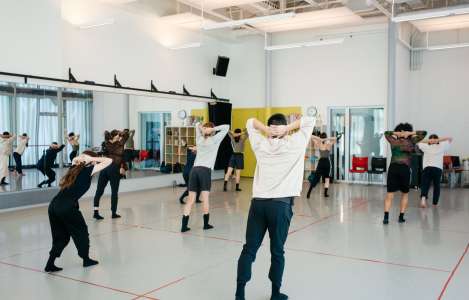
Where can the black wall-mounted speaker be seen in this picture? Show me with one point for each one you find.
(222, 66)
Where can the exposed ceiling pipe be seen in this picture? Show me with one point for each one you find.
(210, 12)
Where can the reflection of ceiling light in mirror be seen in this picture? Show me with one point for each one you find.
(440, 24)
(313, 19)
(98, 24)
(186, 20)
(306, 44)
(185, 46)
(449, 46)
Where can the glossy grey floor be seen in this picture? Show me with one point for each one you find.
(337, 249)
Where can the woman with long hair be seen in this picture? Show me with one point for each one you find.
(65, 217)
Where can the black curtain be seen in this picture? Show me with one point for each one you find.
(220, 114)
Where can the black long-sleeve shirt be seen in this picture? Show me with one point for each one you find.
(49, 157)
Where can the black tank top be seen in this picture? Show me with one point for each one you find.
(72, 194)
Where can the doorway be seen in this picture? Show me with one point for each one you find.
(360, 133)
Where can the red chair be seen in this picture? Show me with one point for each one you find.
(359, 165)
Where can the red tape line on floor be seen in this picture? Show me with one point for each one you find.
(78, 280)
(445, 287)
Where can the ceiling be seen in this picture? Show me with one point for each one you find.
(198, 14)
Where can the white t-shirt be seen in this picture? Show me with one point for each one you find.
(6, 145)
(207, 148)
(280, 162)
(433, 154)
(21, 146)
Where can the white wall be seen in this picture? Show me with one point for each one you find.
(403, 84)
(353, 73)
(110, 111)
(31, 37)
(439, 96)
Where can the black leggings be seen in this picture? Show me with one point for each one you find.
(431, 175)
(66, 223)
(47, 171)
(323, 170)
(112, 175)
(18, 162)
(73, 154)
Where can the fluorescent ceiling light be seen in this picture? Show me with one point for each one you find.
(250, 21)
(306, 44)
(185, 46)
(215, 4)
(186, 20)
(431, 13)
(449, 46)
(440, 24)
(313, 19)
(98, 24)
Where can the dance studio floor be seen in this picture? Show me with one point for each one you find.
(337, 249)
(34, 177)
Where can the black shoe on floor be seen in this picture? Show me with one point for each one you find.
(198, 201)
(115, 216)
(206, 225)
(279, 297)
(88, 262)
(185, 222)
(97, 216)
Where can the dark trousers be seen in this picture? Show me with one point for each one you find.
(18, 162)
(272, 216)
(73, 154)
(110, 174)
(129, 157)
(66, 223)
(47, 171)
(431, 175)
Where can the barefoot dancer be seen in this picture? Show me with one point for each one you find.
(433, 150)
(65, 217)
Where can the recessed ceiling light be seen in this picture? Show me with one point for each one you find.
(306, 44)
(97, 24)
(185, 46)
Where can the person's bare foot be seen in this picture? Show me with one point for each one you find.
(423, 204)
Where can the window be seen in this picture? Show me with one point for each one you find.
(36, 111)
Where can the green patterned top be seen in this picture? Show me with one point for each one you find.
(402, 148)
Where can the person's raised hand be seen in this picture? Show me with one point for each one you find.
(278, 130)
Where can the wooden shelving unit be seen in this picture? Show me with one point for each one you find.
(177, 140)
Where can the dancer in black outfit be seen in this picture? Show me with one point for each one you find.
(74, 141)
(323, 170)
(186, 171)
(46, 163)
(65, 217)
(114, 142)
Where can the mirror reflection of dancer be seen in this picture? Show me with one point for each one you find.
(238, 139)
(73, 140)
(114, 142)
(433, 150)
(46, 162)
(6, 145)
(277, 180)
(208, 140)
(129, 149)
(65, 217)
(186, 171)
(20, 148)
(323, 170)
(403, 142)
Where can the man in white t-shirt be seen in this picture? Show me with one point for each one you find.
(208, 140)
(277, 180)
(433, 150)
